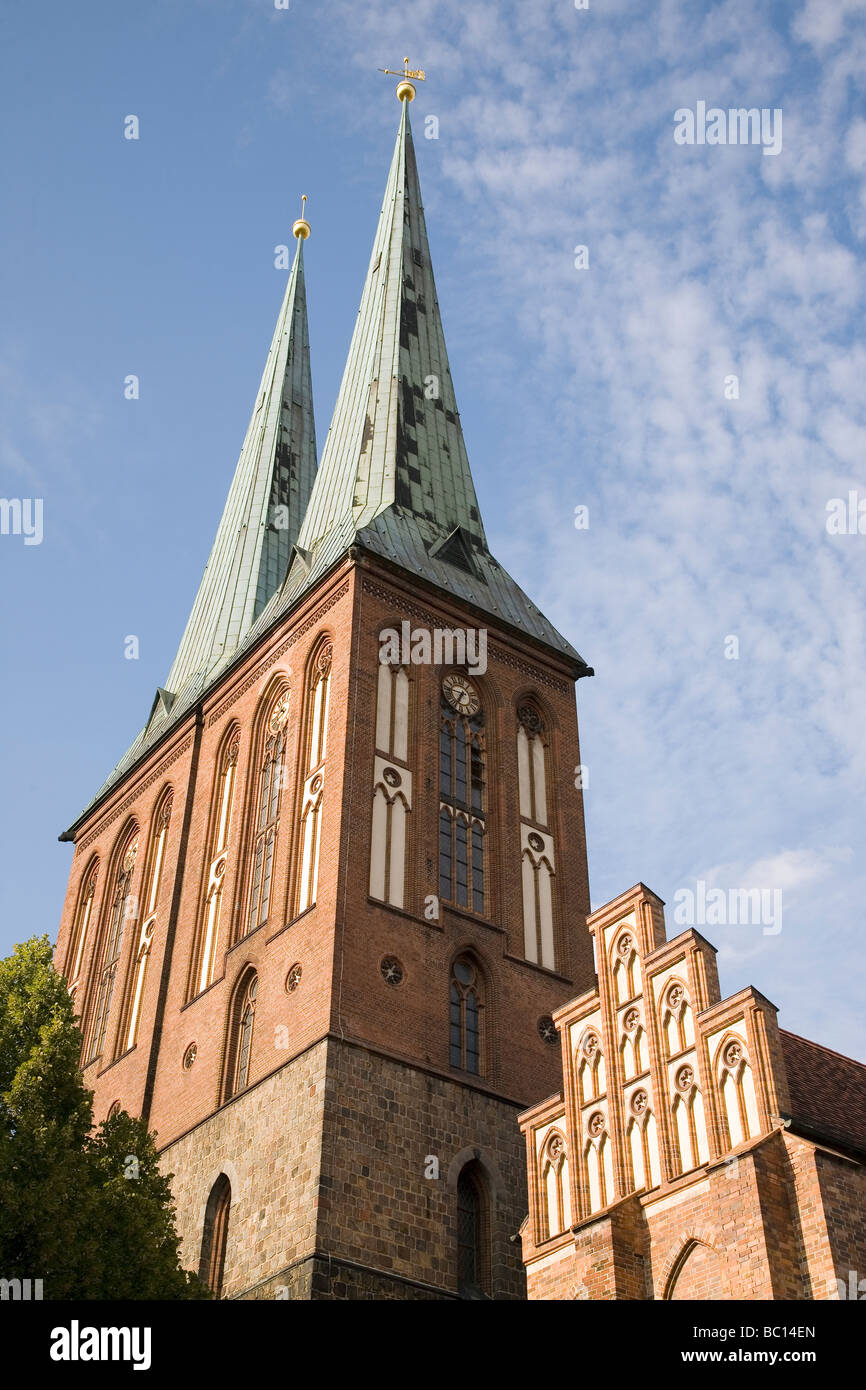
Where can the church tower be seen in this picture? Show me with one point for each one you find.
(321, 914)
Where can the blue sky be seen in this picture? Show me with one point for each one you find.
(601, 387)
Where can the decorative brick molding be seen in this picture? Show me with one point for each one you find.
(275, 655)
(242, 689)
(432, 620)
(131, 800)
(531, 671)
(697, 1235)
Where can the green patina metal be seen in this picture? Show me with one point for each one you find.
(393, 479)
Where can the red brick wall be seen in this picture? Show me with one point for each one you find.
(779, 1220)
(340, 943)
(700, 1276)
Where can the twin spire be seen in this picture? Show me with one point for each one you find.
(395, 441)
(393, 479)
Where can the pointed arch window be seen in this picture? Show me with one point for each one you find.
(267, 813)
(135, 991)
(224, 791)
(122, 907)
(215, 1235)
(392, 787)
(83, 916)
(591, 1078)
(689, 1123)
(598, 1162)
(318, 708)
(626, 970)
(536, 841)
(677, 1022)
(737, 1087)
(392, 711)
(473, 1233)
(465, 1016)
(556, 1195)
(462, 795)
(633, 1046)
(242, 1017)
(642, 1136)
(532, 765)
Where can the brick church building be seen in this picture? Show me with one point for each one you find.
(326, 915)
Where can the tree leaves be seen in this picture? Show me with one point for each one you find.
(88, 1213)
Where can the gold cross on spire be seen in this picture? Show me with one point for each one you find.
(405, 90)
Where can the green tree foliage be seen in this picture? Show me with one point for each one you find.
(89, 1213)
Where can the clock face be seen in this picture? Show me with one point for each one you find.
(461, 693)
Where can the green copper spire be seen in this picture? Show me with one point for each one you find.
(395, 436)
(393, 480)
(267, 498)
(394, 475)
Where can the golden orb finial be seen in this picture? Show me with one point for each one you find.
(405, 90)
(301, 228)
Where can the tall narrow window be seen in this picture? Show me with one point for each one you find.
(626, 970)
(461, 795)
(689, 1124)
(121, 907)
(643, 1141)
(737, 1087)
(215, 1235)
(242, 1016)
(591, 1079)
(392, 787)
(135, 992)
(209, 954)
(531, 769)
(633, 1046)
(598, 1160)
(269, 793)
(465, 1023)
(555, 1186)
(536, 841)
(473, 1236)
(81, 926)
(318, 705)
(677, 1024)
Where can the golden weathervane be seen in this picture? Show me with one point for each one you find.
(405, 90)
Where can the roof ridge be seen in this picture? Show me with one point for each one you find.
(786, 1032)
